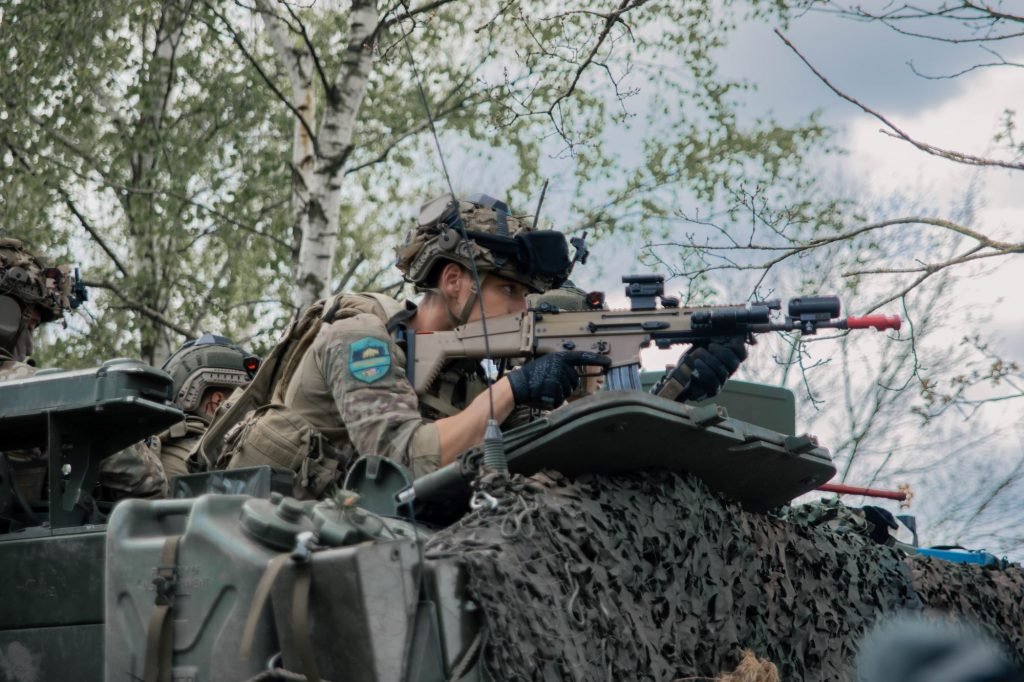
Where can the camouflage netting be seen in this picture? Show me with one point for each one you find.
(652, 577)
(994, 599)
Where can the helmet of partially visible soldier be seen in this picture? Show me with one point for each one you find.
(31, 294)
(205, 367)
(499, 243)
(568, 297)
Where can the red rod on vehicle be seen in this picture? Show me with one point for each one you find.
(900, 495)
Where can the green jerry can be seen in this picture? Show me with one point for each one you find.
(225, 587)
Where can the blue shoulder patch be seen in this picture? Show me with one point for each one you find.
(369, 359)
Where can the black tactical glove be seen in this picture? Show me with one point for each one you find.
(546, 382)
(702, 370)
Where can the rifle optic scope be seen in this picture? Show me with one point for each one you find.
(644, 290)
(730, 317)
(814, 307)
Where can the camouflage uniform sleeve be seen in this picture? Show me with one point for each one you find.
(135, 471)
(178, 443)
(11, 370)
(378, 406)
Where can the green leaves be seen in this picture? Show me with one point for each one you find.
(149, 142)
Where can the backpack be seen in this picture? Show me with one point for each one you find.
(254, 427)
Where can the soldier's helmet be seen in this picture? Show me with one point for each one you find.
(28, 287)
(211, 361)
(499, 243)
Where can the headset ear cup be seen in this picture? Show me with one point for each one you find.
(525, 258)
(11, 321)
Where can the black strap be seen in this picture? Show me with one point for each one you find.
(332, 311)
(160, 632)
(401, 317)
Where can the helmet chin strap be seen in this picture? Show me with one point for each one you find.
(23, 347)
(467, 307)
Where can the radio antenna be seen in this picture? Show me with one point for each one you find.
(540, 202)
(494, 449)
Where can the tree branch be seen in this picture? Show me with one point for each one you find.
(1002, 62)
(62, 140)
(93, 232)
(310, 48)
(951, 155)
(140, 308)
(609, 22)
(410, 13)
(349, 272)
(401, 137)
(225, 269)
(237, 40)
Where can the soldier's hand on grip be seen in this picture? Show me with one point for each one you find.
(702, 370)
(547, 381)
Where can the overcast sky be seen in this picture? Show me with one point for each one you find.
(871, 63)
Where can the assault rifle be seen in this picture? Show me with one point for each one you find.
(621, 334)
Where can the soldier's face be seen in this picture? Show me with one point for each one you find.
(211, 401)
(500, 296)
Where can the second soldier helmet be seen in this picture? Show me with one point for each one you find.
(28, 288)
(211, 361)
(568, 298)
(499, 242)
(23, 276)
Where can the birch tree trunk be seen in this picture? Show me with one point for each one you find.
(319, 157)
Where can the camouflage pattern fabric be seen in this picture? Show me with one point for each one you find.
(178, 443)
(133, 472)
(12, 370)
(832, 512)
(29, 465)
(23, 276)
(652, 577)
(568, 297)
(989, 597)
(359, 402)
(427, 245)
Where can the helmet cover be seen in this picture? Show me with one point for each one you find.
(568, 298)
(211, 361)
(24, 277)
(499, 243)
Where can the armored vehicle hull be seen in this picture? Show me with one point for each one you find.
(633, 539)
